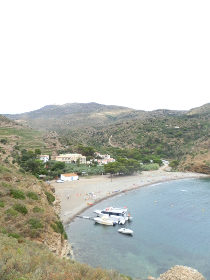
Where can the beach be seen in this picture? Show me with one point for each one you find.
(78, 195)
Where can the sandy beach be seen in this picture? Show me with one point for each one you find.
(76, 196)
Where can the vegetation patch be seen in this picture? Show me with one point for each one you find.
(150, 167)
(50, 197)
(32, 195)
(36, 209)
(1, 204)
(11, 212)
(17, 194)
(35, 223)
(14, 235)
(31, 261)
(58, 227)
(20, 208)
(3, 169)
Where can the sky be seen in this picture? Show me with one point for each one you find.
(144, 55)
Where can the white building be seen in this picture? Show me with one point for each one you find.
(44, 158)
(69, 158)
(103, 159)
(69, 177)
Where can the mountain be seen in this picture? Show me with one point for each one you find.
(56, 117)
(171, 134)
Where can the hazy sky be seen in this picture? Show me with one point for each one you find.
(146, 54)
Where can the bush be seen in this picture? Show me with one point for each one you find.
(14, 235)
(35, 223)
(1, 204)
(3, 169)
(36, 209)
(17, 194)
(150, 167)
(58, 227)
(3, 141)
(32, 195)
(20, 208)
(174, 164)
(11, 212)
(5, 185)
(50, 197)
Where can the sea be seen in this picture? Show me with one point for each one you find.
(171, 224)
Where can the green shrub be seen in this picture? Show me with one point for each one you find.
(11, 212)
(3, 169)
(20, 208)
(1, 204)
(50, 197)
(58, 227)
(17, 194)
(22, 170)
(174, 164)
(35, 223)
(32, 195)
(14, 235)
(36, 209)
(3, 230)
(3, 141)
(5, 185)
(149, 167)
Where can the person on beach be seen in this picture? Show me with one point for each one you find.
(68, 196)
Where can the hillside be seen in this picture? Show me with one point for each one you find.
(30, 229)
(26, 207)
(15, 136)
(175, 135)
(56, 117)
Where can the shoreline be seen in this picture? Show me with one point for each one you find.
(103, 188)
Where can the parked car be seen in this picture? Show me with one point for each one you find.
(60, 181)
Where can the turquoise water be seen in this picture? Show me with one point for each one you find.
(171, 226)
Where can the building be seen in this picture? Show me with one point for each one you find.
(69, 177)
(44, 158)
(71, 158)
(103, 159)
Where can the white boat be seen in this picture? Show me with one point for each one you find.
(126, 231)
(104, 220)
(118, 215)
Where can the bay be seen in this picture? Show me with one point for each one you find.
(171, 224)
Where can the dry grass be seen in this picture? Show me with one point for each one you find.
(29, 261)
(25, 209)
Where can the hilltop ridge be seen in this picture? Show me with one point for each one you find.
(176, 135)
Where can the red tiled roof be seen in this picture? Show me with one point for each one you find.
(69, 174)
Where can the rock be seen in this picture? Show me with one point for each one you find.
(180, 272)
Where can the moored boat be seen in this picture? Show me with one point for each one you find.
(104, 220)
(118, 215)
(126, 231)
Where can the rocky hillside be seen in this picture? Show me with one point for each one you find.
(27, 210)
(30, 230)
(15, 136)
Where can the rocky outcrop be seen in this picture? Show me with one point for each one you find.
(180, 272)
(58, 245)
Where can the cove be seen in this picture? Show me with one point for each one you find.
(171, 224)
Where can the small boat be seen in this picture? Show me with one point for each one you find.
(104, 221)
(125, 231)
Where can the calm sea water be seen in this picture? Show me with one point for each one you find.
(171, 226)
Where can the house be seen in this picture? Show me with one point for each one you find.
(71, 158)
(44, 158)
(103, 159)
(69, 177)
